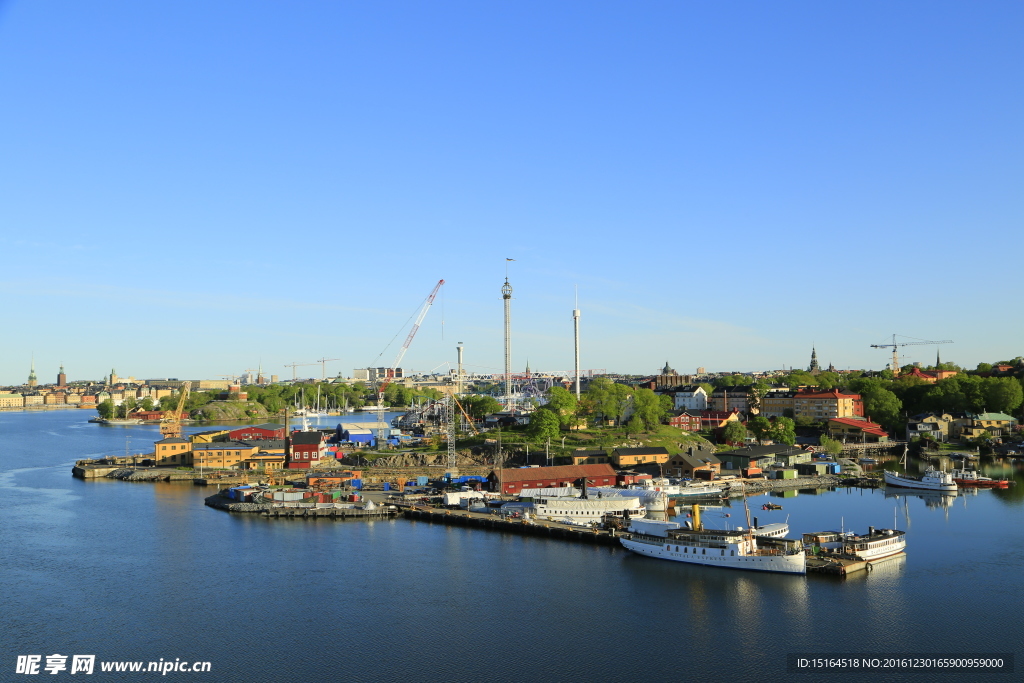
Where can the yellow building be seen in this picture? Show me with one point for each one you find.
(265, 461)
(9, 399)
(821, 406)
(222, 455)
(628, 457)
(210, 436)
(175, 451)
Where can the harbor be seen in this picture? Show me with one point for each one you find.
(441, 568)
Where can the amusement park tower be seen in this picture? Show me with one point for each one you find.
(506, 294)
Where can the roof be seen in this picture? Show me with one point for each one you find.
(835, 393)
(173, 439)
(658, 450)
(307, 437)
(222, 446)
(761, 451)
(854, 422)
(268, 426)
(588, 453)
(694, 461)
(996, 416)
(738, 389)
(509, 476)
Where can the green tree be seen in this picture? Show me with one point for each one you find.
(146, 404)
(480, 407)
(734, 432)
(759, 426)
(882, 406)
(106, 409)
(757, 392)
(648, 409)
(831, 446)
(1002, 394)
(544, 424)
(564, 404)
(783, 430)
(608, 399)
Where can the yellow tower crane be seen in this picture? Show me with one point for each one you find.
(170, 425)
(895, 345)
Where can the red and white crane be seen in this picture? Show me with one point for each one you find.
(398, 359)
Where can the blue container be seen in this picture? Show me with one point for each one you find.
(422, 481)
(387, 486)
(357, 483)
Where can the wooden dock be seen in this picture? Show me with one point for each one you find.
(842, 565)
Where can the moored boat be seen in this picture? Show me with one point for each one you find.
(931, 480)
(732, 549)
(972, 478)
(875, 545)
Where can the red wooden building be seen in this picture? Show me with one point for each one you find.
(307, 449)
(263, 432)
(512, 481)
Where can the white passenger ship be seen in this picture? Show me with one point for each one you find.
(878, 543)
(733, 549)
(584, 511)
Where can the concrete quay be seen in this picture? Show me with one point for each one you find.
(278, 510)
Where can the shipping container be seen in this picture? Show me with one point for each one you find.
(422, 481)
(387, 486)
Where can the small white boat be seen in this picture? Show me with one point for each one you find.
(931, 480)
(875, 545)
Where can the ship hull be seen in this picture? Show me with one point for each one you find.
(892, 479)
(781, 564)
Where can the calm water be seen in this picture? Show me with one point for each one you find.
(142, 572)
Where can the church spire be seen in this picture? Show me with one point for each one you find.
(32, 379)
(814, 367)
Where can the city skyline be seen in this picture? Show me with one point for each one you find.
(726, 186)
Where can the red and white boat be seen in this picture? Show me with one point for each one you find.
(972, 478)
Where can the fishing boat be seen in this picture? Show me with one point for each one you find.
(732, 549)
(972, 478)
(931, 480)
(875, 545)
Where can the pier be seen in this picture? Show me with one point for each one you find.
(842, 565)
(301, 510)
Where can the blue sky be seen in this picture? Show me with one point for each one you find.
(190, 188)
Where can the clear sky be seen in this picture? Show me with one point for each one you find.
(189, 188)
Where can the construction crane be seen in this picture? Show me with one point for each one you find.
(170, 424)
(297, 365)
(323, 366)
(895, 367)
(398, 359)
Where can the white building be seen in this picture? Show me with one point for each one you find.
(691, 398)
